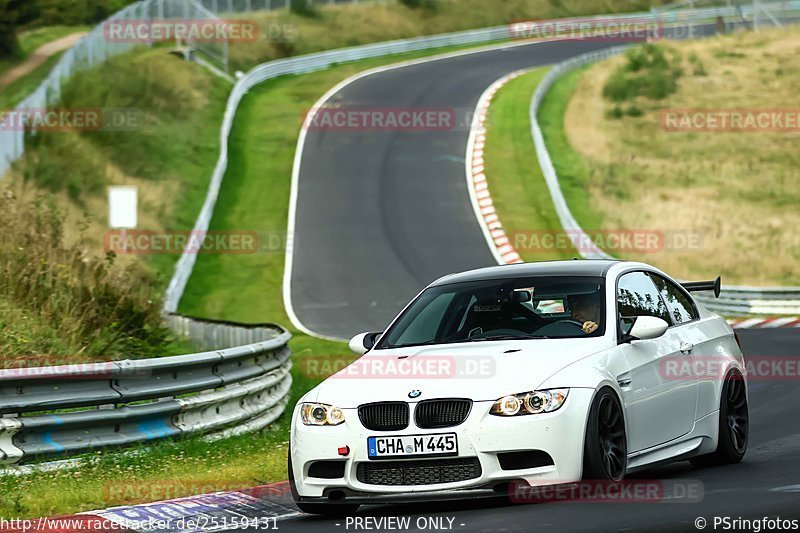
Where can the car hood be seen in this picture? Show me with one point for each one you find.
(482, 371)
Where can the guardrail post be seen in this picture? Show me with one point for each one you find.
(9, 453)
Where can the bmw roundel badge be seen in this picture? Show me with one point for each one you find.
(415, 393)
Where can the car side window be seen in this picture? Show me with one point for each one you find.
(638, 296)
(679, 305)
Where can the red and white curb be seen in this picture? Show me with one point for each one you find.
(477, 183)
(253, 508)
(765, 323)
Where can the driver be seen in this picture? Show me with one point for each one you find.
(586, 310)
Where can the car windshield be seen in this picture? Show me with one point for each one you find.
(520, 308)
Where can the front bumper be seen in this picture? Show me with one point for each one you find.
(483, 436)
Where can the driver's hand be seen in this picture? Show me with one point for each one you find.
(589, 327)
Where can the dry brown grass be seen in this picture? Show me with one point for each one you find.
(89, 307)
(738, 192)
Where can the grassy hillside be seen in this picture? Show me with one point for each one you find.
(734, 192)
(60, 185)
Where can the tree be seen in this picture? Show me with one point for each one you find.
(9, 17)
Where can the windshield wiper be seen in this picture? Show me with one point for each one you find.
(508, 337)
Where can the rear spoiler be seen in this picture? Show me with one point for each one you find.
(715, 286)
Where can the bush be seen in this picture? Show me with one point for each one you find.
(416, 4)
(615, 113)
(646, 73)
(646, 57)
(700, 70)
(304, 8)
(634, 111)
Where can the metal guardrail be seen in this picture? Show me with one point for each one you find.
(219, 334)
(50, 412)
(733, 300)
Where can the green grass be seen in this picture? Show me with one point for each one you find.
(33, 39)
(519, 191)
(573, 172)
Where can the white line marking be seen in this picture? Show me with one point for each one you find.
(786, 488)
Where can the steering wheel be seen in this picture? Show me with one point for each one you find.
(571, 321)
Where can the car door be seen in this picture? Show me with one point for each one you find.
(659, 406)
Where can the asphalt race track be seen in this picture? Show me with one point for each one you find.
(380, 214)
(765, 484)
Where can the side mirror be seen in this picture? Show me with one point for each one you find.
(646, 327)
(363, 342)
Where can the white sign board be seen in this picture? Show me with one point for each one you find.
(122, 207)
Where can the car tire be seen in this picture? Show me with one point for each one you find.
(734, 424)
(333, 510)
(605, 450)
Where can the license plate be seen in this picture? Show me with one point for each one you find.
(436, 444)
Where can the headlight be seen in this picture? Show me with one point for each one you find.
(530, 403)
(320, 414)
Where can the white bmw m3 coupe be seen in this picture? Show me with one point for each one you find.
(537, 374)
